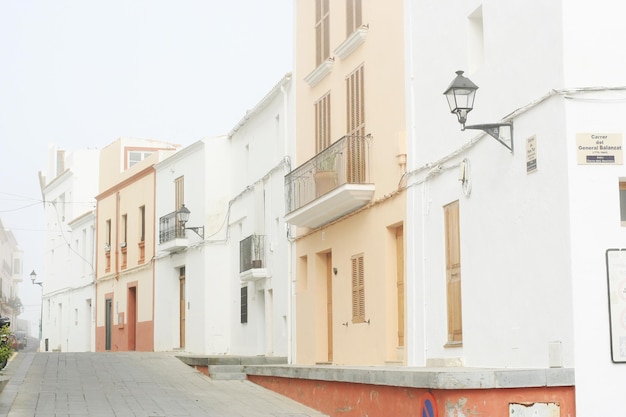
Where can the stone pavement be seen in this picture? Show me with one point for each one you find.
(130, 384)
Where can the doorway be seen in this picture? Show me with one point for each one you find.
(88, 317)
(132, 318)
(108, 313)
(182, 306)
(329, 303)
(400, 283)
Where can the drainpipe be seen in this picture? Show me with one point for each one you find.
(290, 284)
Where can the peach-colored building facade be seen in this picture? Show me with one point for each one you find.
(125, 244)
(343, 198)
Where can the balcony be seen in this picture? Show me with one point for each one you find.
(332, 184)
(252, 258)
(172, 236)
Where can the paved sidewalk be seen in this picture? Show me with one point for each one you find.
(130, 384)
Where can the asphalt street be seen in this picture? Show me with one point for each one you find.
(130, 384)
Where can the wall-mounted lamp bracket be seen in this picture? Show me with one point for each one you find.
(502, 132)
(198, 230)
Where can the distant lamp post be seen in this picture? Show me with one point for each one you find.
(33, 279)
(183, 218)
(460, 95)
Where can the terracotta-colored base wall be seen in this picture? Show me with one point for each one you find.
(144, 341)
(341, 399)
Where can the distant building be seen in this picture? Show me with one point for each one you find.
(222, 278)
(11, 272)
(191, 266)
(68, 187)
(125, 244)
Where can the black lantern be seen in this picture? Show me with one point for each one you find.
(460, 95)
(183, 217)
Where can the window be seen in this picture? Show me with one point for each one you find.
(356, 125)
(322, 123)
(353, 16)
(107, 246)
(60, 162)
(622, 201)
(124, 243)
(476, 53)
(137, 156)
(358, 289)
(244, 304)
(179, 192)
(453, 274)
(60, 207)
(322, 38)
(124, 228)
(107, 237)
(142, 223)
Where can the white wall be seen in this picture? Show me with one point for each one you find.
(204, 166)
(261, 148)
(595, 227)
(69, 260)
(532, 245)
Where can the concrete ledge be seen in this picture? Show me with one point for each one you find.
(3, 381)
(193, 360)
(206, 360)
(431, 378)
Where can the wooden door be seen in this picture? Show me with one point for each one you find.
(132, 318)
(108, 320)
(182, 305)
(400, 282)
(329, 304)
(453, 273)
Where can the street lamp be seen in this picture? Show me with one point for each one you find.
(460, 94)
(183, 218)
(33, 278)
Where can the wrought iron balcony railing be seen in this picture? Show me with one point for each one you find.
(346, 161)
(252, 253)
(170, 228)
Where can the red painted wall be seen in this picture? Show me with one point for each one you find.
(342, 399)
(119, 337)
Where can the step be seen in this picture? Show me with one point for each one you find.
(227, 372)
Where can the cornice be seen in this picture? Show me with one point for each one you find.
(320, 72)
(352, 42)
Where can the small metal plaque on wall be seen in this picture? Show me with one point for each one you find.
(531, 154)
(616, 277)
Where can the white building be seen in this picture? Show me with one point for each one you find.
(221, 285)
(68, 187)
(11, 272)
(191, 266)
(508, 265)
(262, 148)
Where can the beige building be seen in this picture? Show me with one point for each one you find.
(125, 244)
(344, 196)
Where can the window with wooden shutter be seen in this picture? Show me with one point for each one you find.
(453, 274)
(322, 38)
(322, 123)
(179, 192)
(356, 126)
(358, 289)
(353, 16)
(243, 317)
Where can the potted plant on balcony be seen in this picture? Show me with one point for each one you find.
(325, 174)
